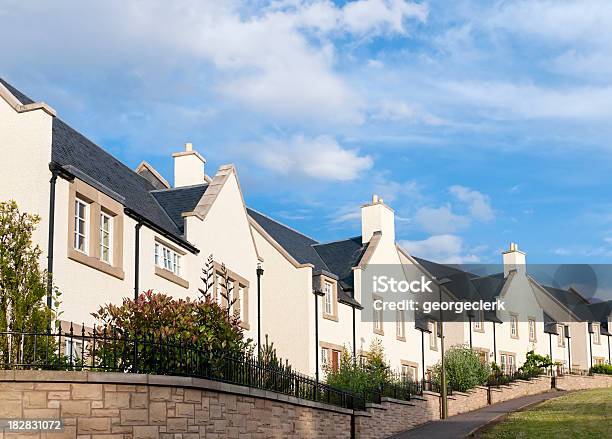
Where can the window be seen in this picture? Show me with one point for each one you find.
(167, 259)
(599, 361)
(409, 373)
(106, 237)
(433, 336)
(514, 326)
(81, 226)
(508, 362)
(329, 298)
(73, 349)
(324, 356)
(400, 331)
(596, 338)
(231, 290)
(479, 322)
(95, 229)
(560, 336)
(377, 317)
(483, 356)
(532, 330)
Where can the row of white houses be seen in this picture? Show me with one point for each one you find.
(109, 232)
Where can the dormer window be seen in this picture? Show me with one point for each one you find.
(596, 337)
(330, 298)
(479, 322)
(514, 326)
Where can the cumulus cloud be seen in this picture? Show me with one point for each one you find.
(400, 111)
(322, 158)
(445, 248)
(478, 204)
(440, 220)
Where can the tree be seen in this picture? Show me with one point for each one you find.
(23, 285)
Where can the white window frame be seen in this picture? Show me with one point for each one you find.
(328, 298)
(514, 326)
(433, 335)
(167, 259)
(109, 248)
(77, 232)
(400, 325)
(76, 348)
(596, 333)
(532, 330)
(324, 356)
(479, 322)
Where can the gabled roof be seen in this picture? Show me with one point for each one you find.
(81, 157)
(177, 201)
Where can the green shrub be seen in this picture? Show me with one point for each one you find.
(535, 364)
(463, 367)
(200, 326)
(362, 376)
(601, 368)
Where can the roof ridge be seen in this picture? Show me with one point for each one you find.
(284, 225)
(179, 187)
(336, 241)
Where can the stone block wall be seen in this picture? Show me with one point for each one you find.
(125, 406)
(578, 382)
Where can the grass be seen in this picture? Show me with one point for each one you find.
(585, 414)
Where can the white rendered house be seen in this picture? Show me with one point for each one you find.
(109, 232)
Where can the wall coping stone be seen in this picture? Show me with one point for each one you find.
(396, 401)
(373, 405)
(160, 380)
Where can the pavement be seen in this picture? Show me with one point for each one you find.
(460, 426)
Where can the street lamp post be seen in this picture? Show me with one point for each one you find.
(443, 392)
(260, 273)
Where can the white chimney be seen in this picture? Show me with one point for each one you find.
(188, 167)
(513, 259)
(377, 217)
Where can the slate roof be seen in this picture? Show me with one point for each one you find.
(341, 256)
(572, 301)
(298, 245)
(176, 201)
(74, 152)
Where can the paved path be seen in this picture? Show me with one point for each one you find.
(461, 425)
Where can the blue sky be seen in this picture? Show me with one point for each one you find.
(480, 123)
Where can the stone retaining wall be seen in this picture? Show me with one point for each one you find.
(390, 417)
(127, 406)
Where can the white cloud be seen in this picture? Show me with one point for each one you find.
(440, 220)
(365, 16)
(321, 158)
(533, 101)
(399, 111)
(444, 248)
(478, 204)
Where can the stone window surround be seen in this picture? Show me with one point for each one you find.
(238, 281)
(403, 325)
(480, 319)
(533, 339)
(334, 315)
(167, 274)
(508, 354)
(485, 351)
(561, 336)
(331, 347)
(433, 335)
(97, 202)
(596, 334)
(379, 314)
(514, 317)
(412, 364)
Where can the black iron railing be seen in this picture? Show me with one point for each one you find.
(110, 350)
(500, 379)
